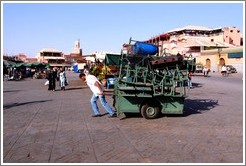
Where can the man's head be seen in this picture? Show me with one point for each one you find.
(82, 76)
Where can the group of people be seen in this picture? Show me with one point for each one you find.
(14, 74)
(54, 75)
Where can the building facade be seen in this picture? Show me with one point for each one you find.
(207, 45)
(216, 58)
(58, 59)
(52, 56)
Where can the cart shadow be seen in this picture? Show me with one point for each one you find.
(198, 106)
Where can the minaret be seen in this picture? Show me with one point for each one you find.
(77, 49)
(77, 44)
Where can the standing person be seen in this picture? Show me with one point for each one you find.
(15, 73)
(62, 79)
(205, 71)
(224, 70)
(58, 74)
(98, 92)
(49, 78)
(189, 79)
(52, 76)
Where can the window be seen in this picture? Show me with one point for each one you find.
(230, 41)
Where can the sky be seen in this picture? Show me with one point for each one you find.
(29, 27)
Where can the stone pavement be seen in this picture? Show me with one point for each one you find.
(41, 126)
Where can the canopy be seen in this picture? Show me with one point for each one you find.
(19, 65)
(36, 65)
(112, 59)
(8, 63)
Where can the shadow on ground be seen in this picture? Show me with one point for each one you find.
(7, 91)
(198, 106)
(7, 106)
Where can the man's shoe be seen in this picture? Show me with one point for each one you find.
(113, 115)
(98, 115)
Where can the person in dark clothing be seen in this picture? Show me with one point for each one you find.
(52, 76)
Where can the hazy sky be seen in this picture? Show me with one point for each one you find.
(29, 27)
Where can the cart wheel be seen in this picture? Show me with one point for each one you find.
(149, 112)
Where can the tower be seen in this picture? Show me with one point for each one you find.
(77, 49)
(77, 44)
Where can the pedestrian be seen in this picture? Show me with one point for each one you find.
(205, 71)
(189, 79)
(224, 71)
(98, 92)
(52, 76)
(15, 74)
(62, 79)
(58, 75)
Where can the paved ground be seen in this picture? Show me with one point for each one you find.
(41, 126)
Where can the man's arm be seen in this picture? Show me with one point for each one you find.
(99, 87)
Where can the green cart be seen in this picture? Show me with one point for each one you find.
(151, 84)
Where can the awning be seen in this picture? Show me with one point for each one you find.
(36, 65)
(7, 63)
(112, 59)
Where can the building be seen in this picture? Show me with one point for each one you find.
(52, 56)
(24, 58)
(216, 58)
(75, 56)
(197, 41)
